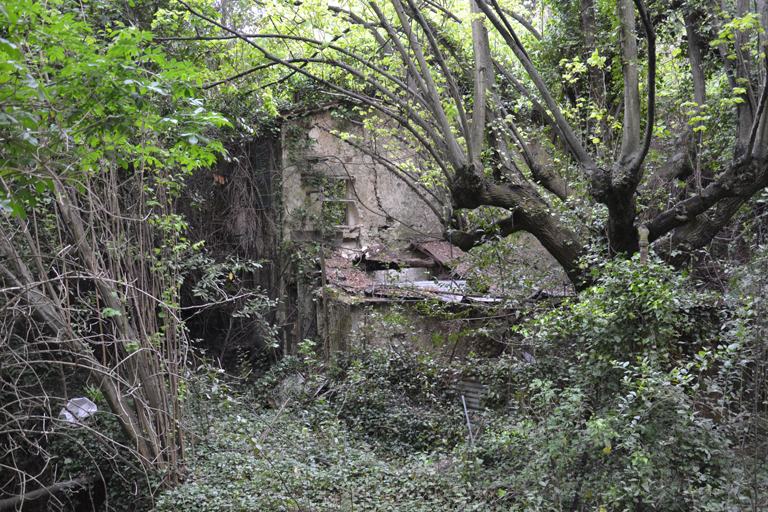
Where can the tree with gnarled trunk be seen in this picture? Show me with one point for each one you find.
(401, 59)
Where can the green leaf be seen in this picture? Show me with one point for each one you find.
(6, 206)
(109, 313)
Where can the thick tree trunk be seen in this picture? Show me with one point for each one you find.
(616, 188)
(630, 142)
(692, 23)
(530, 212)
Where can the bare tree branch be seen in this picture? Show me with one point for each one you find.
(438, 54)
(548, 178)
(19, 501)
(524, 22)
(581, 155)
(650, 35)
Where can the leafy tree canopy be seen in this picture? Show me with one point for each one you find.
(76, 95)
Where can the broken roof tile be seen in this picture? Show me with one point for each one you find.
(445, 253)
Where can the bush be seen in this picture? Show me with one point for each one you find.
(625, 422)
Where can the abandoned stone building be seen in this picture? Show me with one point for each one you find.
(355, 250)
(373, 232)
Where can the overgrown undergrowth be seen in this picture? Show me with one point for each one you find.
(642, 396)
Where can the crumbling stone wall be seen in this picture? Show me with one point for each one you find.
(368, 204)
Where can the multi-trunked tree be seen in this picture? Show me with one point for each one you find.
(452, 89)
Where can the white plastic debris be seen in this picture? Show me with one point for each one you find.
(77, 409)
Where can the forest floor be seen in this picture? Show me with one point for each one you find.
(345, 448)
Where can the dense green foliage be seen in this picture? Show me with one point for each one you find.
(118, 125)
(79, 99)
(623, 409)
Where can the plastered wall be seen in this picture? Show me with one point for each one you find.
(380, 207)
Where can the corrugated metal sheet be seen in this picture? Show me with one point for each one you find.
(475, 393)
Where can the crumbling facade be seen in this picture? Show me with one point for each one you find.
(355, 219)
(342, 196)
(362, 248)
